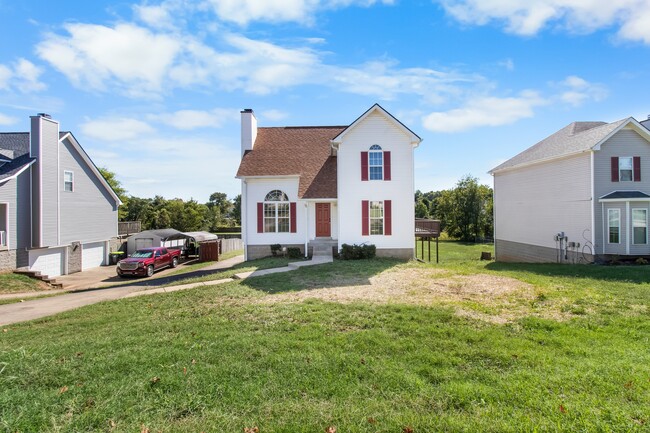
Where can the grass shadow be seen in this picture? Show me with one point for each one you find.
(337, 274)
(630, 274)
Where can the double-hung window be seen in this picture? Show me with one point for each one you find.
(614, 225)
(68, 181)
(640, 226)
(276, 212)
(376, 162)
(376, 217)
(625, 169)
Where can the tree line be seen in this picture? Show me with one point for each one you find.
(217, 214)
(465, 211)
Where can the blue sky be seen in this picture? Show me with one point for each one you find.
(153, 90)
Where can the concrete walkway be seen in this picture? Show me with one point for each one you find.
(38, 308)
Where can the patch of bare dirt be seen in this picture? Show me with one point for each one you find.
(485, 297)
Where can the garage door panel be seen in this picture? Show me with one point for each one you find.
(48, 262)
(93, 255)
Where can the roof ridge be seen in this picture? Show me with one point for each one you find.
(304, 127)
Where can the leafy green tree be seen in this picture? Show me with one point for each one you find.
(119, 190)
(236, 210)
(466, 210)
(421, 209)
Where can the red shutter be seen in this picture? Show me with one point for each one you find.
(260, 217)
(637, 168)
(365, 218)
(386, 165)
(364, 165)
(614, 168)
(292, 216)
(388, 218)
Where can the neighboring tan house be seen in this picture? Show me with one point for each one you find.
(57, 212)
(303, 186)
(583, 192)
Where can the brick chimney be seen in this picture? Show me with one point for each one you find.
(248, 130)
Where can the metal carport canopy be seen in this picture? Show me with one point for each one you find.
(197, 236)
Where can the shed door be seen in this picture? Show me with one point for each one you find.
(47, 261)
(323, 220)
(92, 255)
(143, 243)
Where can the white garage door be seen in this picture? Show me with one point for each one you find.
(92, 255)
(47, 261)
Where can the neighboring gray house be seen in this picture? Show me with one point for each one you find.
(57, 212)
(580, 193)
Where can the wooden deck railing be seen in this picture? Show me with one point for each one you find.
(125, 228)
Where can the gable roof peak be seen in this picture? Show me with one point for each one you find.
(415, 139)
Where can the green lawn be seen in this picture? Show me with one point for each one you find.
(16, 283)
(196, 266)
(376, 346)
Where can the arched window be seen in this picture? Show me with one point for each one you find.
(376, 162)
(277, 215)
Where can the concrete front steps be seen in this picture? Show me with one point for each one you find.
(322, 247)
(38, 276)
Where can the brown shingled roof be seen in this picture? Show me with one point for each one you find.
(295, 151)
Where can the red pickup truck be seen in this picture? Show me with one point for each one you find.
(146, 261)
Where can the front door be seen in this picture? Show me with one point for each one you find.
(323, 226)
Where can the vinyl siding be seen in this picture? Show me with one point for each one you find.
(534, 203)
(376, 129)
(49, 160)
(626, 142)
(88, 213)
(15, 193)
(257, 189)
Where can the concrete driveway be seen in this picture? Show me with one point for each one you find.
(92, 289)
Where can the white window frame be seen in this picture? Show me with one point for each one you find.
(631, 169)
(645, 226)
(375, 149)
(609, 225)
(271, 207)
(71, 181)
(381, 218)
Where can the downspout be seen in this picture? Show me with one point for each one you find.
(603, 221)
(307, 229)
(593, 203)
(628, 223)
(243, 214)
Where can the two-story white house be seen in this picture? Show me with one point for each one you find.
(349, 184)
(57, 213)
(580, 193)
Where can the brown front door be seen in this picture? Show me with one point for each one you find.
(323, 227)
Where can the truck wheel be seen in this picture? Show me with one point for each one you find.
(174, 262)
(149, 270)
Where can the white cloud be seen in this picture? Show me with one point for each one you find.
(192, 119)
(93, 54)
(302, 11)
(22, 75)
(116, 129)
(159, 16)
(525, 17)
(577, 91)
(7, 120)
(485, 111)
(274, 115)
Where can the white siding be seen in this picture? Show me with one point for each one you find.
(534, 203)
(376, 129)
(257, 189)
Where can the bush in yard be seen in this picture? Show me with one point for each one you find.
(275, 249)
(294, 253)
(358, 252)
